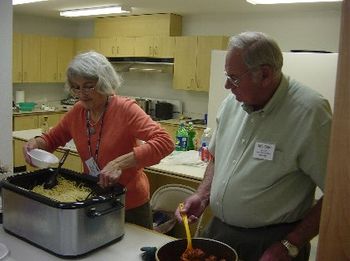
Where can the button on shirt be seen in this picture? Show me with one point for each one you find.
(276, 184)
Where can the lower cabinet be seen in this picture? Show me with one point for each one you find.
(34, 121)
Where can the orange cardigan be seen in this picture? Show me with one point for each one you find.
(124, 123)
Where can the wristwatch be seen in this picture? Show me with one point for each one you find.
(293, 251)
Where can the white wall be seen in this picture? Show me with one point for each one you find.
(293, 30)
(5, 83)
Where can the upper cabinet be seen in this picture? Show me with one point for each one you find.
(117, 46)
(139, 25)
(48, 59)
(31, 58)
(138, 35)
(26, 58)
(65, 54)
(17, 58)
(40, 58)
(56, 53)
(192, 61)
(155, 46)
(87, 44)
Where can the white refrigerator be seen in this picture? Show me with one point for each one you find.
(316, 70)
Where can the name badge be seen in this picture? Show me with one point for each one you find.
(264, 151)
(94, 170)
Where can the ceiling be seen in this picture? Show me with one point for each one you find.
(51, 8)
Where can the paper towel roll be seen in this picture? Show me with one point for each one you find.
(19, 96)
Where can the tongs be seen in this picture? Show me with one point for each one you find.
(52, 182)
(187, 228)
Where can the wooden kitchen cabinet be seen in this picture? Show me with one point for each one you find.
(26, 58)
(34, 121)
(87, 44)
(56, 53)
(118, 46)
(192, 61)
(17, 58)
(25, 122)
(52, 119)
(139, 25)
(185, 63)
(65, 54)
(155, 46)
(48, 59)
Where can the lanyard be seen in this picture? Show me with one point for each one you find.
(88, 130)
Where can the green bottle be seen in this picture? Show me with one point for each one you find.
(181, 138)
(191, 136)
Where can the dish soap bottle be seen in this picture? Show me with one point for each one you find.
(181, 138)
(191, 136)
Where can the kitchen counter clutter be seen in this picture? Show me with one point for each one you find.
(128, 248)
(185, 164)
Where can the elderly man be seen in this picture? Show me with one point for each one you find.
(269, 152)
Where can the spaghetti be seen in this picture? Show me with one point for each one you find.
(65, 191)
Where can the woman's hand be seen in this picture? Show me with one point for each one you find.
(193, 208)
(110, 174)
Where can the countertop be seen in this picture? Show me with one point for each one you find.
(177, 122)
(128, 248)
(182, 164)
(39, 111)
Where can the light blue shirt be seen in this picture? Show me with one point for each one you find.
(268, 162)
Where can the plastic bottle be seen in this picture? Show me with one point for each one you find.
(191, 136)
(206, 136)
(181, 138)
(205, 139)
(205, 155)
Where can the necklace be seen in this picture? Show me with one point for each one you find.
(90, 126)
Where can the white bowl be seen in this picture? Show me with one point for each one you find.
(41, 158)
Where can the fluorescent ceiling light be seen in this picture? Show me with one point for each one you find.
(269, 2)
(102, 10)
(19, 2)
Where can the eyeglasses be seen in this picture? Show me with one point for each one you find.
(85, 90)
(235, 80)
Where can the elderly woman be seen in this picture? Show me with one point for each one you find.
(106, 129)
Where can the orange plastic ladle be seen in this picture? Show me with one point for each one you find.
(187, 228)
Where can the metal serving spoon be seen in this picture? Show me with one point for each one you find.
(53, 179)
(187, 228)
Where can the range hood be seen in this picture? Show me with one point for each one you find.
(142, 64)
